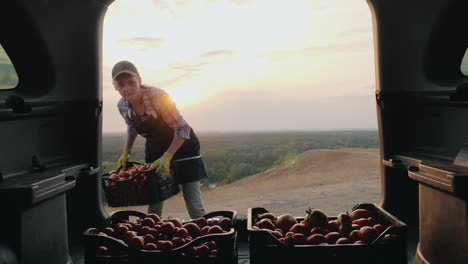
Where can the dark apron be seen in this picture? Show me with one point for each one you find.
(158, 138)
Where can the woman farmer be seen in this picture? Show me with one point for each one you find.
(170, 141)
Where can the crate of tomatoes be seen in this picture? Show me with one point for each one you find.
(366, 234)
(137, 184)
(151, 239)
(105, 244)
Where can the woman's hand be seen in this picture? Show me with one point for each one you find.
(124, 158)
(163, 164)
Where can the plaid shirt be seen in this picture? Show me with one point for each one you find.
(156, 101)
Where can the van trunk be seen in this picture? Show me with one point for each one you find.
(50, 188)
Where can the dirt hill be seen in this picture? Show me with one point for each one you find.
(331, 180)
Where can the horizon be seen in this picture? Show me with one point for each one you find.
(267, 131)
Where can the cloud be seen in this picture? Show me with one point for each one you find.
(143, 43)
(316, 50)
(164, 5)
(359, 30)
(241, 2)
(186, 68)
(183, 71)
(217, 53)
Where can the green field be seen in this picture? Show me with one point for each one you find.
(232, 156)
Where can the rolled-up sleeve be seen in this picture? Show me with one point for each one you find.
(165, 107)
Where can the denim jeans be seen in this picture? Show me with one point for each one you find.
(192, 198)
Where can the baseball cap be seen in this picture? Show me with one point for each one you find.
(124, 67)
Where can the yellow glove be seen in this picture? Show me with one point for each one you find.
(124, 158)
(163, 164)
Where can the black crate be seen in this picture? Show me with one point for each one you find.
(226, 246)
(130, 192)
(266, 248)
(92, 241)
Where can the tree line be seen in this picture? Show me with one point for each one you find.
(232, 156)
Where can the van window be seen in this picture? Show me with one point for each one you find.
(464, 64)
(8, 76)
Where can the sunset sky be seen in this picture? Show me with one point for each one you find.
(248, 65)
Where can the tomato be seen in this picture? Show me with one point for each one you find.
(215, 230)
(360, 213)
(344, 220)
(167, 228)
(285, 221)
(164, 245)
(175, 221)
(108, 231)
(343, 240)
(354, 236)
(149, 238)
(155, 217)
(150, 246)
(318, 230)
(181, 232)
(300, 228)
(362, 222)
(265, 224)
(225, 223)
(148, 222)
(202, 250)
(193, 229)
(123, 174)
(137, 242)
(277, 234)
(332, 237)
(368, 234)
(380, 228)
(144, 230)
(267, 215)
(211, 244)
(333, 225)
(201, 222)
(177, 242)
(299, 239)
(315, 239)
(102, 251)
(205, 229)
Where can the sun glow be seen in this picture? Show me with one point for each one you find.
(184, 97)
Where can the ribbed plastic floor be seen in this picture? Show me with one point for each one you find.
(243, 253)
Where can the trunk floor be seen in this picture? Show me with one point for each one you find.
(243, 252)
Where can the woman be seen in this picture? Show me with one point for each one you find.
(170, 141)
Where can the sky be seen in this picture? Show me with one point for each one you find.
(248, 65)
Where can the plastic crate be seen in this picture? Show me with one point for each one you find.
(130, 192)
(226, 246)
(92, 241)
(266, 248)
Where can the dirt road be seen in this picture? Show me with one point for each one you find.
(331, 180)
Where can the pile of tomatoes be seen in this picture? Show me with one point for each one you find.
(136, 172)
(358, 227)
(155, 234)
